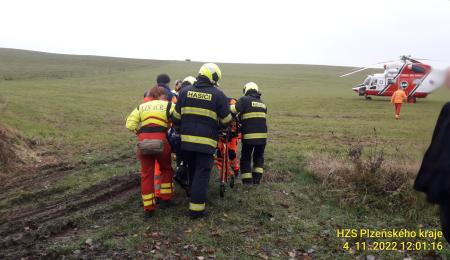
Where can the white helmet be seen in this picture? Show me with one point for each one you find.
(190, 79)
(251, 86)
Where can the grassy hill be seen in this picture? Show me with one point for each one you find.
(20, 64)
(71, 109)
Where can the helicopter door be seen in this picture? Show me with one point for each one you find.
(377, 84)
(381, 84)
(367, 81)
(374, 84)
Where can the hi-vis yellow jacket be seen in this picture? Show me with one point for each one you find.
(150, 117)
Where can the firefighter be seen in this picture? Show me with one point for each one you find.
(188, 81)
(181, 176)
(252, 114)
(150, 121)
(179, 84)
(397, 99)
(200, 110)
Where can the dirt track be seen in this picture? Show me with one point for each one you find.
(23, 226)
(34, 209)
(49, 174)
(93, 195)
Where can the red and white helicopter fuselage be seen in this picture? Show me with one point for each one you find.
(418, 80)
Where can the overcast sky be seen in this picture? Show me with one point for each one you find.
(336, 32)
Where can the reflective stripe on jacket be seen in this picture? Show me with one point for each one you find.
(252, 113)
(151, 116)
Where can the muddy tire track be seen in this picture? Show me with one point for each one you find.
(98, 193)
(30, 241)
(24, 230)
(47, 175)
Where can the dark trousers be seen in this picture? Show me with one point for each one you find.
(445, 221)
(251, 174)
(199, 166)
(179, 157)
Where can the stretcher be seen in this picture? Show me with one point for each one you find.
(227, 176)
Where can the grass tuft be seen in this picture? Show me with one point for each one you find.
(367, 178)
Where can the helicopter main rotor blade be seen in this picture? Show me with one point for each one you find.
(402, 58)
(420, 59)
(382, 62)
(358, 69)
(413, 60)
(354, 71)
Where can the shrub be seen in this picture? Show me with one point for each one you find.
(364, 177)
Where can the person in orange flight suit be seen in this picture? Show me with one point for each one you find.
(150, 121)
(397, 99)
(233, 144)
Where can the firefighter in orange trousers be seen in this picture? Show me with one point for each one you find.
(397, 99)
(150, 121)
(233, 144)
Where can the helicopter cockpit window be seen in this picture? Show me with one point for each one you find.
(374, 83)
(367, 81)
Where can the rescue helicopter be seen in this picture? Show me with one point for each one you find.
(417, 78)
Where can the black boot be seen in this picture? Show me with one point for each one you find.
(257, 178)
(197, 214)
(247, 182)
(148, 214)
(164, 204)
(181, 177)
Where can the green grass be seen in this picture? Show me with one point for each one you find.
(76, 105)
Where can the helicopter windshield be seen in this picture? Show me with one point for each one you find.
(367, 81)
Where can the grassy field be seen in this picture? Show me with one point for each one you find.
(82, 198)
